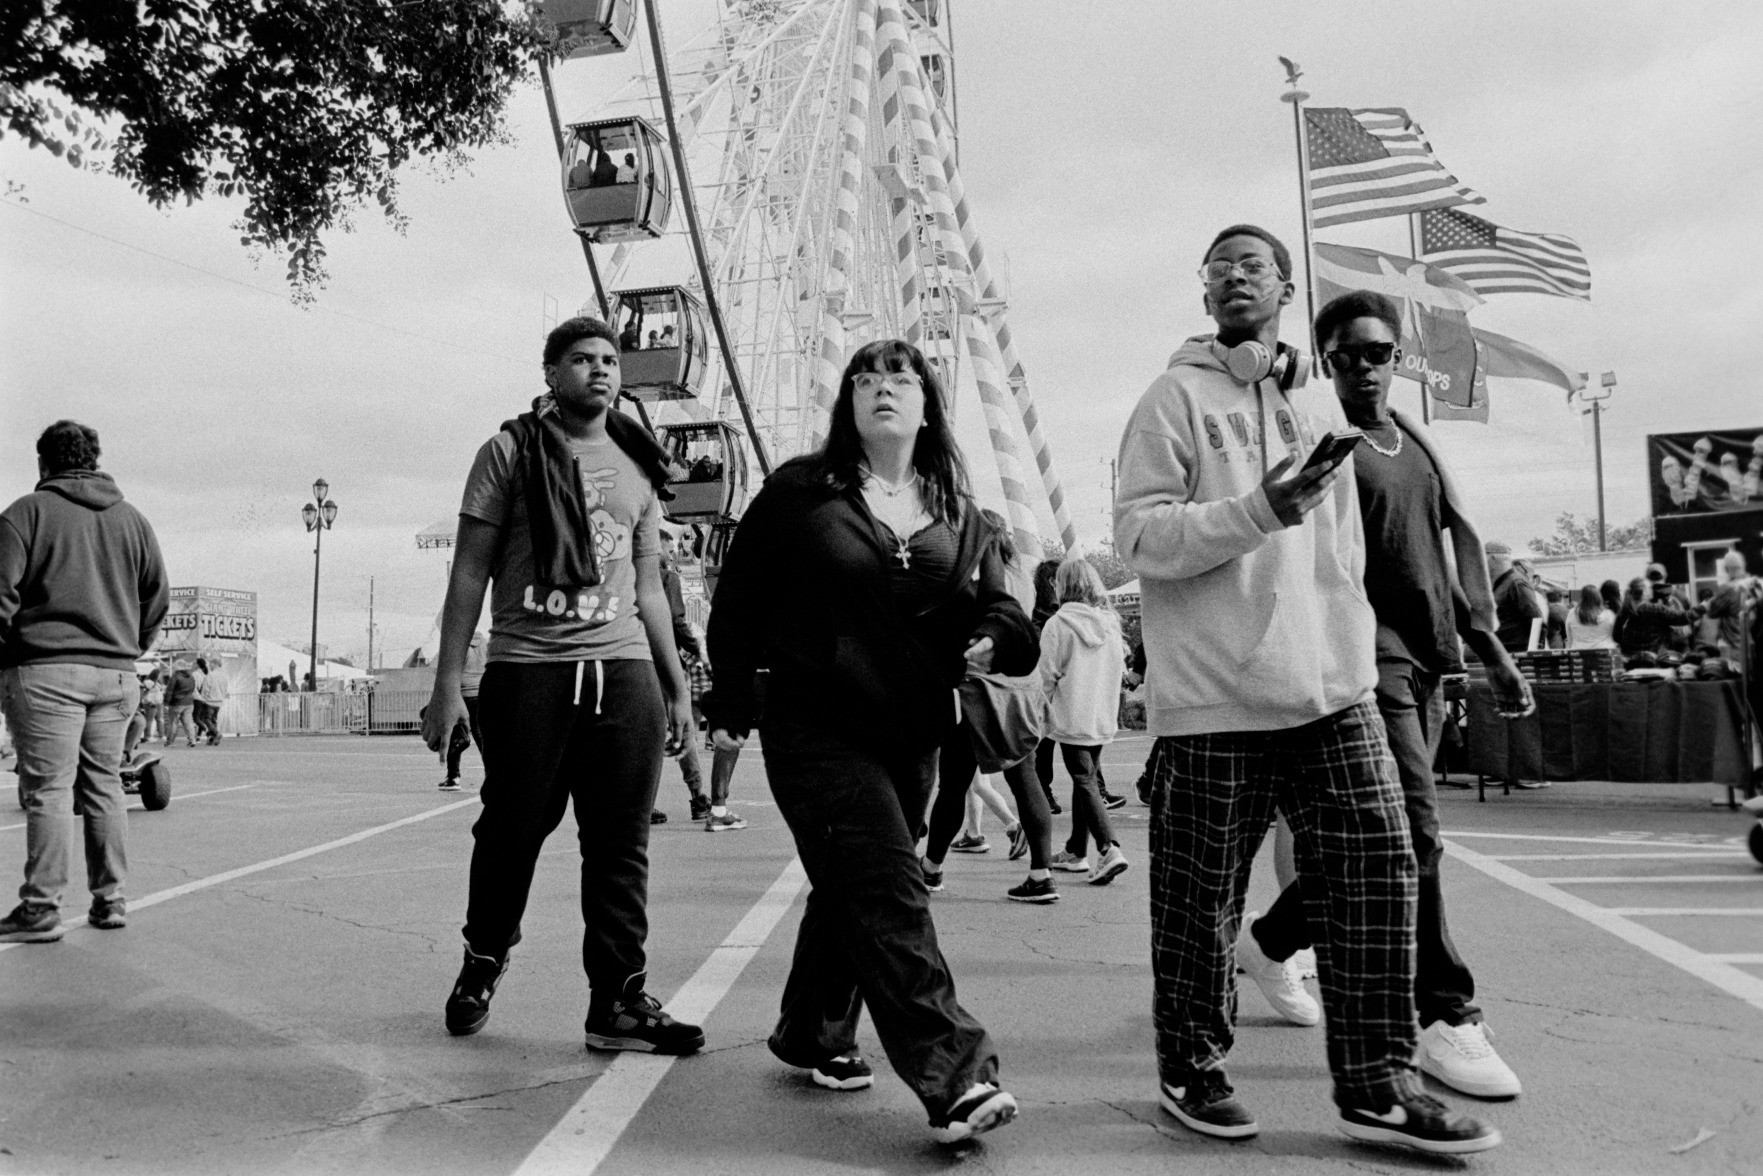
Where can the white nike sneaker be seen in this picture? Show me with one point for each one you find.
(1461, 1057)
(1278, 980)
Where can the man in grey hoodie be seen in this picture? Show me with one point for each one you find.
(82, 595)
(1261, 670)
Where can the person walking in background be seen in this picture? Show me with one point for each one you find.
(82, 595)
(1515, 601)
(867, 581)
(152, 704)
(583, 688)
(1261, 668)
(1409, 503)
(1081, 667)
(470, 678)
(1738, 591)
(211, 692)
(180, 703)
(1589, 624)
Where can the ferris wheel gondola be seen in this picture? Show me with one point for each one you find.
(591, 28)
(662, 340)
(616, 180)
(710, 472)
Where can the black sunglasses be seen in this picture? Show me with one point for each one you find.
(1344, 359)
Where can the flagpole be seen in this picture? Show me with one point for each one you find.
(1296, 97)
(1414, 252)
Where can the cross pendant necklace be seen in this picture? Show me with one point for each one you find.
(904, 555)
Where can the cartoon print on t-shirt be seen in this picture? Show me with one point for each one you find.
(612, 539)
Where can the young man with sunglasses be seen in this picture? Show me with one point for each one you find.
(1260, 652)
(1408, 502)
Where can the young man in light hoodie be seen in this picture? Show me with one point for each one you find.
(1261, 668)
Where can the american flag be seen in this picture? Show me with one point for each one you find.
(1365, 164)
(1494, 260)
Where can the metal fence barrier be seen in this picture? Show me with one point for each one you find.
(383, 712)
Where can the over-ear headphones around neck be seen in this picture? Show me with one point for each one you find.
(1251, 362)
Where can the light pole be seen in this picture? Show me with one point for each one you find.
(318, 515)
(1606, 385)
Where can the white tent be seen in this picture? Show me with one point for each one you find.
(273, 659)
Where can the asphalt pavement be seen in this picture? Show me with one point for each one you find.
(275, 1003)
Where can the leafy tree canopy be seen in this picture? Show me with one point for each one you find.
(305, 108)
(1574, 535)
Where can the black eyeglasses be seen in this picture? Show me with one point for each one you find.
(1345, 359)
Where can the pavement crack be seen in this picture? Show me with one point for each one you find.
(434, 944)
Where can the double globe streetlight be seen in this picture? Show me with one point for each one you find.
(318, 515)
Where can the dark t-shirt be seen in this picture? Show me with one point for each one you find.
(1515, 606)
(1402, 502)
(931, 553)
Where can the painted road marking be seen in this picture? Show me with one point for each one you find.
(1662, 842)
(586, 1134)
(1739, 957)
(1646, 880)
(1659, 912)
(1698, 856)
(176, 796)
(154, 899)
(1722, 975)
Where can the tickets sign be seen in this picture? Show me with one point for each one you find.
(210, 620)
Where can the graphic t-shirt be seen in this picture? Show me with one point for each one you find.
(1402, 502)
(534, 622)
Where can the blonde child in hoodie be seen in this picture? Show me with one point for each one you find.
(1082, 663)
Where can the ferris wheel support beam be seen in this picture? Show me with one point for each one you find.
(587, 246)
(689, 203)
(988, 288)
(911, 104)
(836, 282)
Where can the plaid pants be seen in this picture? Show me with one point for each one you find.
(1213, 798)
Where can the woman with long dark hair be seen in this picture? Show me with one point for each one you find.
(865, 580)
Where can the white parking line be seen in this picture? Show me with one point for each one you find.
(1699, 856)
(154, 899)
(1659, 912)
(1721, 974)
(1645, 879)
(179, 796)
(586, 1134)
(1739, 957)
(1635, 841)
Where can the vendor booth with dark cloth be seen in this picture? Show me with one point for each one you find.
(1656, 731)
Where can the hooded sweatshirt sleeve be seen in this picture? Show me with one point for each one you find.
(154, 589)
(13, 557)
(1160, 530)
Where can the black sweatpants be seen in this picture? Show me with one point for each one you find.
(591, 732)
(866, 935)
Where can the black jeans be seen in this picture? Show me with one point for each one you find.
(866, 934)
(955, 771)
(591, 732)
(455, 750)
(1089, 816)
(1413, 715)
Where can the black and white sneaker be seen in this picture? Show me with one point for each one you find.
(635, 1022)
(450, 784)
(1423, 1123)
(1033, 890)
(845, 1072)
(933, 877)
(982, 1108)
(1206, 1103)
(469, 1005)
(1110, 800)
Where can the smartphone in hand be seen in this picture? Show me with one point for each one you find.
(1333, 449)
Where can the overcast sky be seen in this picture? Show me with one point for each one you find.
(1103, 144)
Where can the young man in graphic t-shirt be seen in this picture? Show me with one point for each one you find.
(583, 685)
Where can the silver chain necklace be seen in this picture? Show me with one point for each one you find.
(1393, 450)
(888, 489)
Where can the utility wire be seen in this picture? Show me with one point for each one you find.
(278, 295)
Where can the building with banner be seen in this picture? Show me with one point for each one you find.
(218, 625)
(1707, 495)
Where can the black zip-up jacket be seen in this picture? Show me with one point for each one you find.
(806, 592)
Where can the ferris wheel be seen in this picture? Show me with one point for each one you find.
(761, 197)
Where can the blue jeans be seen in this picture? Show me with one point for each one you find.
(68, 722)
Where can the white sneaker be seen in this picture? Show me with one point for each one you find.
(1277, 980)
(1306, 961)
(1109, 866)
(1069, 862)
(1461, 1058)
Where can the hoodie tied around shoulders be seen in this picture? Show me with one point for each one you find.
(1249, 625)
(81, 578)
(1082, 660)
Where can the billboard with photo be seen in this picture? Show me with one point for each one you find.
(1712, 471)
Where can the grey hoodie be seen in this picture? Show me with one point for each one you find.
(81, 577)
(1081, 665)
(1249, 625)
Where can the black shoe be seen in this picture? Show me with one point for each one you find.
(1144, 790)
(1053, 805)
(635, 1021)
(108, 916)
(657, 817)
(1033, 890)
(982, 1108)
(700, 809)
(1207, 1104)
(845, 1072)
(1110, 800)
(1423, 1123)
(469, 1006)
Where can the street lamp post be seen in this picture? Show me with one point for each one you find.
(1596, 397)
(318, 515)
